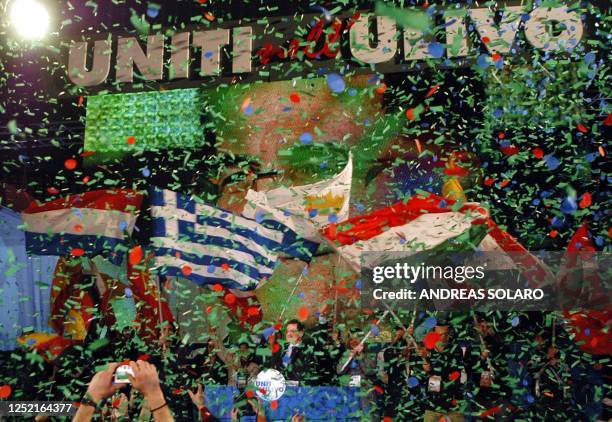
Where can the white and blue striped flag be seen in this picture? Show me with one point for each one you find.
(209, 245)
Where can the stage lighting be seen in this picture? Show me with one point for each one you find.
(29, 18)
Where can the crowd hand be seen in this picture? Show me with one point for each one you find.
(101, 385)
(99, 388)
(357, 349)
(235, 414)
(198, 398)
(146, 380)
(297, 418)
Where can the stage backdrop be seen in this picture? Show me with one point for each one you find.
(304, 130)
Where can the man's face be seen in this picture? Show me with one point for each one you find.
(293, 334)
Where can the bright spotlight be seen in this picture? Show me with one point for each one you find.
(29, 18)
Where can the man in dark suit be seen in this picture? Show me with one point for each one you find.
(295, 360)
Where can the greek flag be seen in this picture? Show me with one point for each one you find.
(209, 245)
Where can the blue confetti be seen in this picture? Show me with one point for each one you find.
(483, 61)
(336, 83)
(313, 213)
(248, 110)
(333, 218)
(146, 172)
(552, 162)
(259, 216)
(152, 12)
(128, 292)
(430, 322)
(413, 382)
(515, 321)
(436, 50)
(211, 269)
(569, 205)
(306, 138)
(123, 225)
(375, 330)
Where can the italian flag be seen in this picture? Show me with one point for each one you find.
(431, 223)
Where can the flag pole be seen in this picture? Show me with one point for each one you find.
(280, 317)
(363, 340)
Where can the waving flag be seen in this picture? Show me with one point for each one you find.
(151, 305)
(305, 209)
(425, 223)
(209, 245)
(86, 224)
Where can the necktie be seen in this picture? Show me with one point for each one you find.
(287, 357)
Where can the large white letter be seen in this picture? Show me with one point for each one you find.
(180, 55)
(500, 40)
(210, 42)
(150, 65)
(77, 59)
(386, 45)
(538, 31)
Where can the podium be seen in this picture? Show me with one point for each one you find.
(316, 403)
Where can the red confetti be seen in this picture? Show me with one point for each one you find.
(187, 270)
(608, 121)
(431, 339)
(278, 326)
(135, 255)
(131, 140)
(209, 16)
(86, 179)
(78, 228)
(225, 266)
(510, 151)
(177, 391)
(504, 183)
(209, 309)
(5, 391)
(303, 313)
(379, 389)
(380, 89)
(490, 411)
(275, 347)
(432, 91)
(410, 114)
(229, 298)
(70, 164)
(538, 153)
(217, 287)
(501, 135)
(586, 200)
(274, 405)
(486, 40)
(454, 375)
(253, 311)
(77, 252)
(488, 181)
(294, 97)
(582, 128)
(387, 419)
(250, 394)
(496, 56)
(553, 233)
(87, 153)
(456, 171)
(52, 191)
(143, 357)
